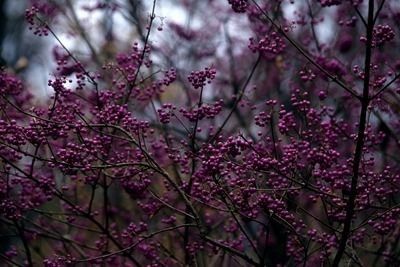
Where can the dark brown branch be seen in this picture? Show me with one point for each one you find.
(350, 207)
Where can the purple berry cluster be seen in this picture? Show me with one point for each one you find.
(239, 6)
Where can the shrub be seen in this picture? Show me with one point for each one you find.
(250, 137)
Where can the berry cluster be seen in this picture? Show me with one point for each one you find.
(273, 44)
(239, 6)
(326, 3)
(199, 79)
(381, 35)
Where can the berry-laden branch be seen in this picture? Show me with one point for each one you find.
(158, 160)
(351, 203)
(304, 53)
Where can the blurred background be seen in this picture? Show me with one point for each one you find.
(96, 30)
